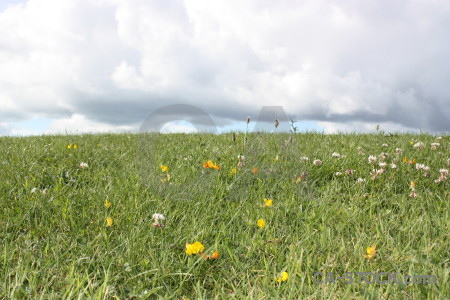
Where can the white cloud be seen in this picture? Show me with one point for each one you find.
(113, 62)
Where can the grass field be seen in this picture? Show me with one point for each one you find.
(71, 231)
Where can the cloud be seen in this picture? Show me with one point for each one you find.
(114, 62)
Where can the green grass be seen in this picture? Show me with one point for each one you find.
(57, 245)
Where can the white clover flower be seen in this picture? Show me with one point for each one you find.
(383, 156)
(338, 173)
(420, 166)
(434, 146)
(372, 159)
(84, 165)
(360, 180)
(382, 165)
(349, 171)
(419, 145)
(385, 145)
(34, 190)
(317, 162)
(426, 168)
(393, 166)
(398, 151)
(335, 155)
(158, 217)
(439, 138)
(304, 158)
(444, 172)
(241, 157)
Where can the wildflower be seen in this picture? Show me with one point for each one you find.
(405, 160)
(383, 156)
(215, 255)
(393, 166)
(255, 170)
(233, 171)
(434, 146)
(439, 138)
(413, 184)
(156, 218)
(360, 180)
(241, 159)
(194, 248)
(304, 158)
(382, 165)
(164, 168)
(84, 165)
(109, 222)
(34, 190)
(370, 252)
(419, 145)
(372, 159)
(209, 164)
(317, 162)
(420, 166)
(283, 277)
(335, 155)
(411, 142)
(267, 202)
(261, 223)
(385, 145)
(338, 173)
(413, 194)
(72, 145)
(398, 151)
(299, 178)
(107, 204)
(349, 171)
(444, 175)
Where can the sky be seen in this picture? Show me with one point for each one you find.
(77, 66)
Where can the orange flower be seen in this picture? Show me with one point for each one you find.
(210, 165)
(215, 255)
(255, 170)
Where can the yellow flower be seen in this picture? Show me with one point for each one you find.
(194, 248)
(233, 171)
(413, 184)
(405, 160)
(267, 202)
(109, 221)
(69, 146)
(72, 145)
(411, 143)
(371, 251)
(75, 146)
(283, 277)
(164, 168)
(107, 204)
(261, 223)
(255, 170)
